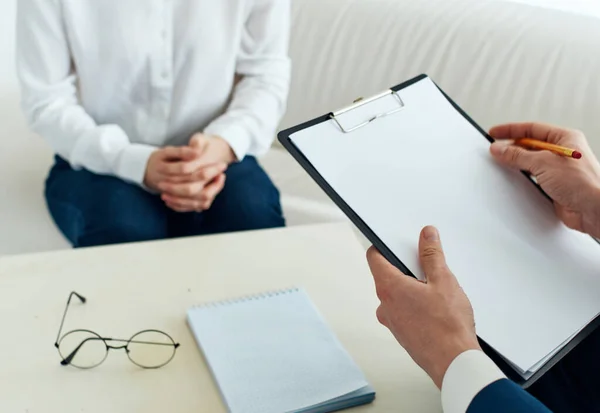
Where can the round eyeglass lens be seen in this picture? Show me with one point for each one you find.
(85, 348)
(151, 349)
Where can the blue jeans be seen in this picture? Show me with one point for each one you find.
(92, 210)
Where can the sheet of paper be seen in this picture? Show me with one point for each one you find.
(533, 369)
(533, 283)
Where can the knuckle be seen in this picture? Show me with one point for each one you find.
(577, 133)
(514, 155)
(383, 293)
(212, 173)
(446, 277)
(579, 139)
(543, 158)
(430, 252)
(381, 315)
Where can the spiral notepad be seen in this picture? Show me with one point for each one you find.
(273, 353)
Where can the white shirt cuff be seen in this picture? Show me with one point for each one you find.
(468, 374)
(235, 135)
(132, 163)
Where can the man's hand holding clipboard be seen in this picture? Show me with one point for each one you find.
(418, 314)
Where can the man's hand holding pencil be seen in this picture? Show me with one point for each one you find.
(563, 164)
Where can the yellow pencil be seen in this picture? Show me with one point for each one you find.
(545, 146)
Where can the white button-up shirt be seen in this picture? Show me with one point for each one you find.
(106, 82)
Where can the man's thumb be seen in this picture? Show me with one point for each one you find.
(431, 255)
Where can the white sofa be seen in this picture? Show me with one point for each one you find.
(501, 60)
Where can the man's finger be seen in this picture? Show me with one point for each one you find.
(519, 158)
(431, 255)
(539, 131)
(386, 276)
(383, 271)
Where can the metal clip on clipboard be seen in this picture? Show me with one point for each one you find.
(361, 102)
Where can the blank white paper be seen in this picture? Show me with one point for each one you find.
(533, 283)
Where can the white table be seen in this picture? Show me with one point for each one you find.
(151, 285)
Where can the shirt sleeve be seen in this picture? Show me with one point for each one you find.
(50, 100)
(467, 375)
(259, 99)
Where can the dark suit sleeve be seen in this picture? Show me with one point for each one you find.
(504, 396)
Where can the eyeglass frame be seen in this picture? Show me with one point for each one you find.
(68, 361)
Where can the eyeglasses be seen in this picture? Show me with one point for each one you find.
(85, 349)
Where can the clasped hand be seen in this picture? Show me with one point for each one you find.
(190, 177)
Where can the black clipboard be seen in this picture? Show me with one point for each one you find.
(284, 139)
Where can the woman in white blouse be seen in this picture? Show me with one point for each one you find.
(155, 110)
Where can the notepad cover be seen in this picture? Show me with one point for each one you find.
(274, 353)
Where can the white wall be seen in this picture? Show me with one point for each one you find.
(20, 147)
(577, 6)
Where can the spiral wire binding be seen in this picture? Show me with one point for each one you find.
(246, 298)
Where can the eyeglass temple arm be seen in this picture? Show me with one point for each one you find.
(71, 356)
(82, 299)
(154, 343)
